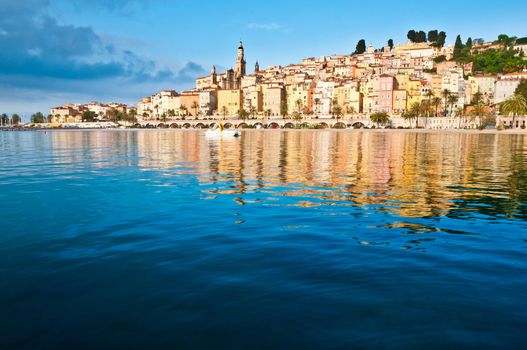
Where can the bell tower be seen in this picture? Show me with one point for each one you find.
(240, 62)
(257, 67)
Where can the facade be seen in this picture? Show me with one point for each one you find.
(230, 102)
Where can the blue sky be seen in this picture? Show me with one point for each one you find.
(58, 51)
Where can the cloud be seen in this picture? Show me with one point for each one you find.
(41, 56)
(265, 26)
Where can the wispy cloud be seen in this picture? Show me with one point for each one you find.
(265, 26)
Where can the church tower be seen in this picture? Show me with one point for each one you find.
(257, 67)
(213, 75)
(240, 62)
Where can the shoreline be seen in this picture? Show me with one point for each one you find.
(423, 131)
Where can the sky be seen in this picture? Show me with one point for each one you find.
(76, 51)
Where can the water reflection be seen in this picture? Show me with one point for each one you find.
(409, 174)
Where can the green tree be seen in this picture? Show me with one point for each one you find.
(380, 118)
(4, 119)
(412, 36)
(515, 106)
(390, 44)
(522, 88)
(433, 36)
(477, 98)
(439, 59)
(441, 39)
(242, 114)
(479, 111)
(436, 102)
(469, 43)
(253, 112)
(336, 110)
(38, 118)
(458, 48)
(195, 107)
(361, 47)
(88, 116)
(224, 111)
(421, 37)
(452, 100)
(15, 119)
(445, 93)
(283, 108)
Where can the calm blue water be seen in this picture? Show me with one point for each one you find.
(277, 240)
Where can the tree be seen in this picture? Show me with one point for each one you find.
(412, 35)
(361, 47)
(441, 39)
(460, 113)
(522, 88)
(433, 36)
(171, 113)
(469, 43)
(317, 104)
(4, 119)
(15, 119)
(224, 111)
(88, 116)
(337, 110)
(439, 59)
(253, 112)
(195, 107)
(477, 98)
(268, 113)
(515, 105)
(479, 111)
(299, 105)
(452, 100)
(242, 114)
(390, 44)
(436, 102)
(458, 47)
(38, 118)
(445, 93)
(421, 37)
(409, 116)
(416, 110)
(380, 118)
(283, 108)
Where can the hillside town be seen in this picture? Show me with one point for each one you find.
(419, 77)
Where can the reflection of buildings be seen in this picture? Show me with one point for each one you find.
(416, 174)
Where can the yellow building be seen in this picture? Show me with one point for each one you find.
(299, 97)
(414, 91)
(399, 101)
(349, 98)
(230, 101)
(273, 98)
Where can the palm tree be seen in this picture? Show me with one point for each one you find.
(195, 107)
(436, 102)
(380, 118)
(452, 100)
(460, 113)
(224, 111)
(515, 105)
(408, 116)
(446, 93)
(317, 105)
(415, 111)
(479, 111)
(253, 112)
(268, 113)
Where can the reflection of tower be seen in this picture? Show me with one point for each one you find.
(257, 67)
(240, 62)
